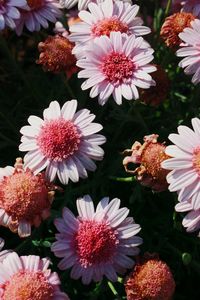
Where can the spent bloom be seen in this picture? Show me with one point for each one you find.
(25, 198)
(157, 94)
(96, 243)
(117, 65)
(56, 55)
(191, 51)
(150, 279)
(173, 26)
(64, 142)
(149, 155)
(104, 18)
(82, 4)
(9, 12)
(29, 277)
(185, 163)
(37, 14)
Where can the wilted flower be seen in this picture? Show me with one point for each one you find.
(9, 12)
(28, 277)
(150, 155)
(185, 163)
(65, 142)
(151, 279)
(56, 55)
(37, 14)
(25, 198)
(191, 51)
(174, 25)
(102, 19)
(155, 95)
(117, 65)
(96, 243)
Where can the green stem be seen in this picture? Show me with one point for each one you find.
(122, 179)
(169, 3)
(112, 288)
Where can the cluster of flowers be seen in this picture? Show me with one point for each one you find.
(105, 46)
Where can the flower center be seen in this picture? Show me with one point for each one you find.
(95, 243)
(196, 159)
(24, 195)
(58, 139)
(106, 26)
(26, 285)
(152, 157)
(182, 20)
(117, 67)
(35, 4)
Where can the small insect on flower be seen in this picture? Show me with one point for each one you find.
(25, 198)
(102, 19)
(191, 51)
(56, 55)
(29, 278)
(65, 142)
(96, 243)
(150, 155)
(116, 66)
(37, 14)
(150, 279)
(174, 25)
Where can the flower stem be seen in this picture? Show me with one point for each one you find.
(169, 3)
(115, 293)
(122, 179)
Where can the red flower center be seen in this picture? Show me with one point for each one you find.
(117, 67)
(26, 285)
(106, 26)
(35, 4)
(95, 242)
(24, 195)
(58, 139)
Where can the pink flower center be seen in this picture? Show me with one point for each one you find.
(95, 242)
(106, 26)
(117, 67)
(27, 285)
(58, 139)
(196, 159)
(35, 4)
(24, 195)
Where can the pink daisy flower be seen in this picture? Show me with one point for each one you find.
(37, 13)
(96, 243)
(25, 276)
(192, 219)
(117, 66)
(25, 198)
(82, 4)
(9, 12)
(192, 6)
(185, 163)
(191, 51)
(65, 142)
(104, 18)
(3, 253)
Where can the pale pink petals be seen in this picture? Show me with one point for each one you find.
(116, 235)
